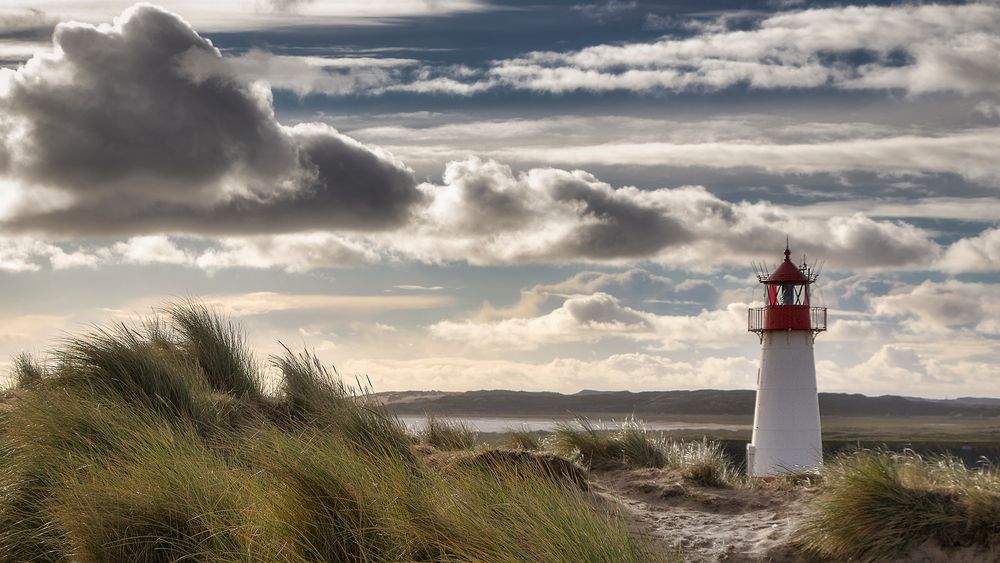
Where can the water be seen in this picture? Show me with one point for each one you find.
(504, 424)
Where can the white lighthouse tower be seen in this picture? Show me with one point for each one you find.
(786, 430)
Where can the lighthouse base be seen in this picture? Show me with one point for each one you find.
(786, 428)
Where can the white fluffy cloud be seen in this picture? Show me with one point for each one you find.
(635, 371)
(483, 213)
(935, 307)
(980, 253)
(597, 316)
(918, 49)
(111, 133)
(580, 318)
(300, 74)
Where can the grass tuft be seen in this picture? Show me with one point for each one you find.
(524, 439)
(314, 395)
(446, 434)
(702, 462)
(156, 443)
(219, 346)
(122, 363)
(639, 448)
(27, 371)
(581, 440)
(878, 506)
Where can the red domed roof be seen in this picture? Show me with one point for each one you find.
(787, 272)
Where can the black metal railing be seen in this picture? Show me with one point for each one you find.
(784, 317)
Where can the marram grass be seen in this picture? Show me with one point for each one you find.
(877, 506)
(447, 434)
(702, 462)
(156, 442)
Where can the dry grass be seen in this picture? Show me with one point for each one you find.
(701, 462)
(446, 434)
(877, 506)
(524, 439)
(154, 443)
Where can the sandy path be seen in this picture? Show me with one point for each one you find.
(706, 524)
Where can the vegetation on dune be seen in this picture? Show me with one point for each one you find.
(219, 347)
(584, 441)
(447, 434)
(157, 442)
(701, 462)
(524, 439)
(878, 505)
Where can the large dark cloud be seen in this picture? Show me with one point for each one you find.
(618, 226)
(114, 121)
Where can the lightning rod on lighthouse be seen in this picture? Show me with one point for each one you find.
(786, 427)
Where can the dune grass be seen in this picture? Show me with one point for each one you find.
(156, 442)
(314, 395)
(878, 505)
(447, 434)
(219, 347)
(583, 441)
(640, 447)
(702, 462)
(27, 371)
(524, 439)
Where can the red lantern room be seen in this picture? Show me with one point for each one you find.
(788, 300)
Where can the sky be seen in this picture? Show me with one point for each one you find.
(536, 195)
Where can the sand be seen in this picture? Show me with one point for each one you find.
(703, 523)
(698, 524)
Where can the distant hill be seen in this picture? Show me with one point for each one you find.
(666, 403)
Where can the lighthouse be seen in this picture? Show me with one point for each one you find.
(786, 428)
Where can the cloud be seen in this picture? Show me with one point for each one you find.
(256, 15)
(980, 253)
(149, 249)
(287, 5)
(632, 285)
(964, 152)
(633, 371)
(609, 9)
(266, 302)
(914, 48)
(302, 75)
(413, 287)
(582, 318)
(128, 141)
(598, 316)
(25, 24)
(935, 307)
(774, 145)
(483, 213)
(296, 252)
(26, 254)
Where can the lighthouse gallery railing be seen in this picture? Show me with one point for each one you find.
(760, 318)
